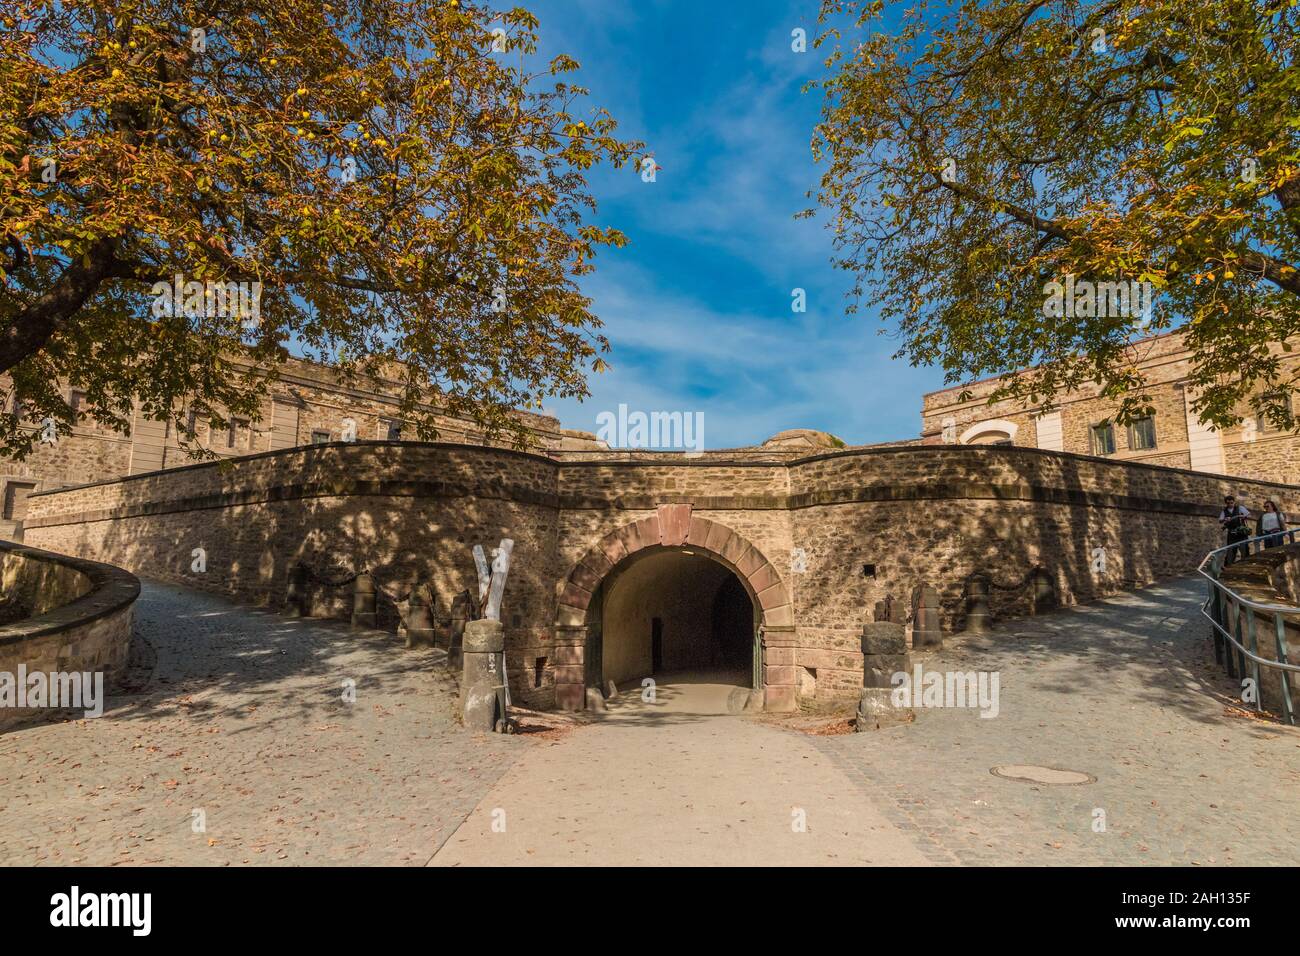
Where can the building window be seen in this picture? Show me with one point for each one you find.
(77, 406)
(191, 424)
(390, 429)
(1103, 439)
(994, 436)
(234, 430)
(1142, 434)
(1262, 423)
(319, 437)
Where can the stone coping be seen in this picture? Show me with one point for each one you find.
(111, 590)
(401, 488)
(843, 489)
(680, 460)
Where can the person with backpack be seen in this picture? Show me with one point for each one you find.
(1233, 519)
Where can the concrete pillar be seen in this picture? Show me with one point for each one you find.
(482, 686)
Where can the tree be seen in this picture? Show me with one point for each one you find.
(978, 152)
(384, 181)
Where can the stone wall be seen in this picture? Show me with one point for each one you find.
(61, 615)
(807, 527)
(308, 403)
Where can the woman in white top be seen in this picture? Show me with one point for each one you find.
(1271, 523)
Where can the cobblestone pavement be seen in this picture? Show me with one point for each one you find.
(240, 716)
(243, 719)
(1123, 689)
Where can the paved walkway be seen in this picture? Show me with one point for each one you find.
(681, 781)
(1124, 689)
(243, 719)
(240, 716)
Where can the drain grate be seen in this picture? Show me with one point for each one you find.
(1030, 773)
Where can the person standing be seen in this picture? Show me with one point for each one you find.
(1233, 520)
(1272, 523)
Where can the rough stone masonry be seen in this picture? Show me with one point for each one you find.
(812, 541)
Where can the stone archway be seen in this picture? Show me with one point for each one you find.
(675, 526)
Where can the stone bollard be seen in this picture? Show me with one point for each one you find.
(363, 600)
(1042, 592)
(884, 650)
(419, 617)
(977, 605)
(295, 600)
(461, 614)
(482, 691)
(926, 629)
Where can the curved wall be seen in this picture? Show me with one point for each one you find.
(61, 615)
(937, 514)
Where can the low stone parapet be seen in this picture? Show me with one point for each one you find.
(61, 616)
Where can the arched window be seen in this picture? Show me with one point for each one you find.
(997, 432)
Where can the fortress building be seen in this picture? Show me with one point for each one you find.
(1083, 423)
(764, 562)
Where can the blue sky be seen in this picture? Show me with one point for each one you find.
(698, 305)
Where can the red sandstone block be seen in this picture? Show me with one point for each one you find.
(763, 578)
(776, 676)
(751, 561)
(614, 548)
(718, 535)
(779, 616)
(699, 532)
(570, 696)
(598, 562)
(585, 578)
(567, 654)
(628, 538)
(734, 548)
(575, 596)
(568, 616)
(674, 524)
(779, 699)
(569, 674)
(774, 596)
(647, 532)
(774, 636)
(778, 656)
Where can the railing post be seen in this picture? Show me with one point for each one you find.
(1230, 625)
(1288, 714)
(1216, 616)
(1254, 664)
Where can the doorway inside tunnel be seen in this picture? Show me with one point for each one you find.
(672, 612)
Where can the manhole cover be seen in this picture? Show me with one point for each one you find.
(1033, 774)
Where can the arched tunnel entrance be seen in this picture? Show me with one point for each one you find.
(671, 612)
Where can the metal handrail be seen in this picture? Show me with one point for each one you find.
(1224, 606)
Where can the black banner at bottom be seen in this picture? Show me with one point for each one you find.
(335, 906)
